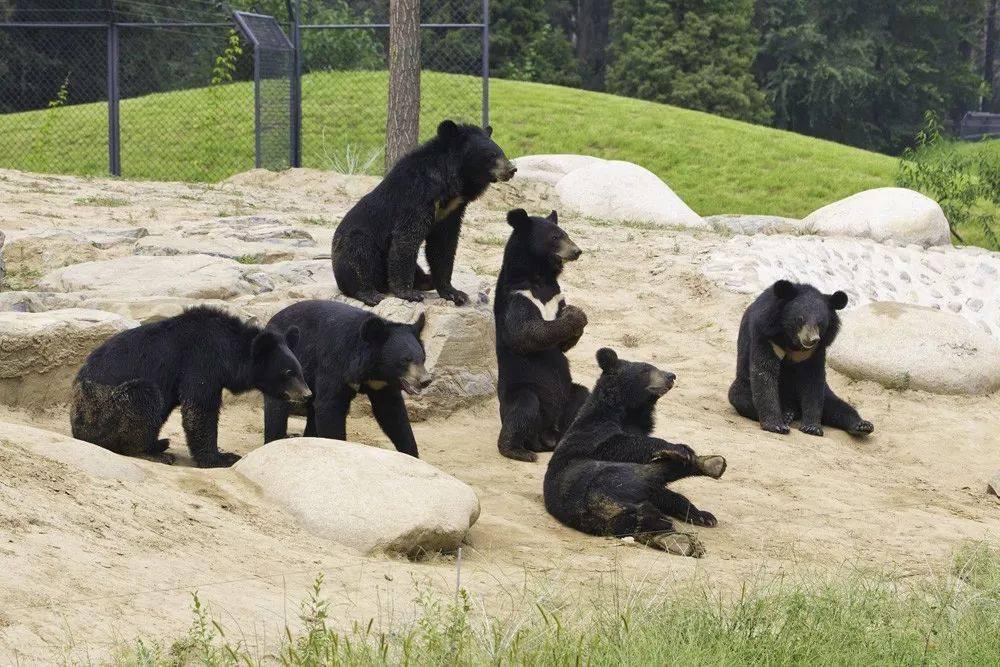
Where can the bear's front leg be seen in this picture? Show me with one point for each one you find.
(200, 419)
(441, 246)
(580, 318)
(810, 385)
(765, 371)
(390, 413)
(402, 266)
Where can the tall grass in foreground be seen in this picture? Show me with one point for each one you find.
(856, 618)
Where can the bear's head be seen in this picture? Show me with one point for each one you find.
(541, 239)
(807, 316)
(632, 384)
(396, 354)
(275, 370)
(481, 160)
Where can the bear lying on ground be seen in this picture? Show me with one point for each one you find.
(608, 476)
(422, 198)
(129, 385)
(343, 351)
(534, 329)
(781, 362)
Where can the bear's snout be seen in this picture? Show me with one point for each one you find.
(569, 251)
(504, 170)
(416, 379)
(661, 382)
(298, 391)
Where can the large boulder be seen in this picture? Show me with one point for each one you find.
(551, 168)
(364, 497)
(957, 280)
(48, 249)
(733, 223)
(91, 459)
(884, 215)
(910, 347)
(244, 252)
(192, 276)
(624, 192)
(41, 352)
(149, 309)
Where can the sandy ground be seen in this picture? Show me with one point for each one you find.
(87, 563)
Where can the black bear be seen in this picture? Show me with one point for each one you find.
(534, 329)
(129, 385)
(343, 351)
(781, 362)
(422, 198)
(608, 476)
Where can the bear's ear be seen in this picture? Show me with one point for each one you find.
(607, 358)
(374, 329)
(517, 217)
(838, 300)
(784, 290)
(489, 130)
(262, 344)
(292, 338)
(447, 130)
(418, 326)
(553, 217)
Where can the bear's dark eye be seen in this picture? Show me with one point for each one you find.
(289, 372)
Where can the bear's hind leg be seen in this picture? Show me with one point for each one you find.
(838, 413)
(648, 525)
(741, 398)
(521, 425)
(674, 504)
(422, 281)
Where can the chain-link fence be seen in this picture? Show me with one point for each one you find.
(147, 89)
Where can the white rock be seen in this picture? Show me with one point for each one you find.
(367, 498)
(252, 229)
(623, 192)
(243, 251)
(148, 309)
(910, 347)
(37, 302)
(960, 280)
(193, 276)
(41, 352)
(753, 224)
(551, 168)
(91, 459)
(883, 214)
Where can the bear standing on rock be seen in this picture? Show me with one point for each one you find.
(534, 330)
(129, 385)
(781, 362)
(345, 351)
(608, 476)
(422, 198)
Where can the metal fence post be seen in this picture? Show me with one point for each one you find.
(486, 62)
(114, 118)
(297, 85)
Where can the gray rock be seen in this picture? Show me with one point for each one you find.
(909, 347)
(215, 246)
(893, 215)
(363, 497)
(753, 224)
(252, 229)
(41, 352)
(192, 276)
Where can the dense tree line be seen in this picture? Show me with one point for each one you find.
(861, 72)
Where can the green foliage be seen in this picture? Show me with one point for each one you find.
(525, 45)
(692, 53)
(863, 72)
(965, 183)
(225, 64)
(854, 618)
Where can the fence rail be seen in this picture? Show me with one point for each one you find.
(75, 89)
(978, 125)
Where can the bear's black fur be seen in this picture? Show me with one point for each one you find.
(343, 351)
(129, 385)
(534, 329)
(781, 362)
(608, 476)
(422, 198)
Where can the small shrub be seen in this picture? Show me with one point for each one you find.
(966, 183)
(101, 201)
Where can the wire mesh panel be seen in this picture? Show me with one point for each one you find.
(53, 99)
(273, 71)
(345, 81)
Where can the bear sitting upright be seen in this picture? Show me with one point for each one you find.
(422, 198)
(781, 362)
(534, 329)
(608, 476)
(129, 385)
(343, 351)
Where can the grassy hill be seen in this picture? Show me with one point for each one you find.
(716, 165)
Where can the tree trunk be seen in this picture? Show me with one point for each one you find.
(403, 123)
(989, 45)
(593, 19)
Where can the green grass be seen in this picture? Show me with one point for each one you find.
(854, 618)
(716, 165)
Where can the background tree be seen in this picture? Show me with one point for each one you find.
(403, 124)
(692, 53)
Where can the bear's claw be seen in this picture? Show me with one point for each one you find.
(775, 428)
(862, 428)
(811, 429)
